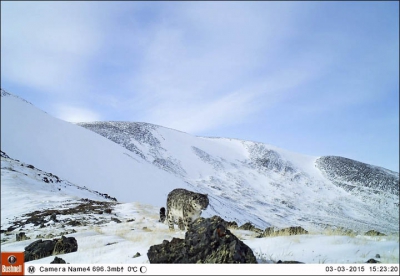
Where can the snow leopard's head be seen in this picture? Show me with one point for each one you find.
(200, 201)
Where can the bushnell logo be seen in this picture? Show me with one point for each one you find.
(12, 263)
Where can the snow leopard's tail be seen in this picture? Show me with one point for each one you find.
(162, 214)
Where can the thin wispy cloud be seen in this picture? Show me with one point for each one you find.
(76, 114)
(213, 68)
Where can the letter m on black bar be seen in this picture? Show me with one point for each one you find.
(31, 269)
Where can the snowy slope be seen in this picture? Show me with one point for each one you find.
(25, 188)
(249, 181)
(245, 181)
(79, 155)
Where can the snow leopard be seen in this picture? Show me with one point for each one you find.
(184, 207)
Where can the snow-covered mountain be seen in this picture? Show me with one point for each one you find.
(30, 198)
(246, 181)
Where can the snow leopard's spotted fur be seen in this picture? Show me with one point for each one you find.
(184, 207)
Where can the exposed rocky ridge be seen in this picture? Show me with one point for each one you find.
(127, 134)
(354, 175)
(122, 133)
(267, 159)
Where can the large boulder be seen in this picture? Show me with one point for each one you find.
(39, 249)
(44, 248)
(207, 241)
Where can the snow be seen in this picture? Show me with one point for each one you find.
(117, 243)
(79, 155)
(114, 243)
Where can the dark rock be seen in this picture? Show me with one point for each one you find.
(53, 217)
(116, 220)
(372, 261)
(44, 248)
(136, 255)
(206, 241)
(39, 249)
(168, 252)
(9, 229)
(288, 262)
(377, 256)
(21, 236)
(58, 260)
(35, 219)
(374, 233)
(74, 223)
(30, 166)
(107, 211)
(3, 154)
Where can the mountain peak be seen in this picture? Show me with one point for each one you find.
(4, 93)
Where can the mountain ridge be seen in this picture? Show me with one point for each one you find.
(246, 181)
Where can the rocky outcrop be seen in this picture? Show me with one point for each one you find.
(4, 155)
(251, 227)
(372, 261)
(288, 262)
(374, 233)
(21, 236)
(44, 248)
(58, 260)
(207, 241)
(292, 230)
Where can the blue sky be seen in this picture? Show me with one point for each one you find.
(318, 78)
